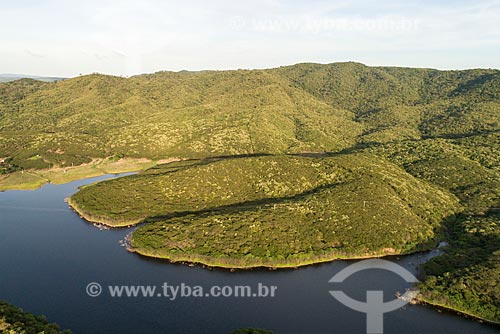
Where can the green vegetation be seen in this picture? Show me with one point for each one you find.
(306, 107)
(14, 320)
(271, 210)
(467, 277)
(424, 142)
(7, 166)
(32, 179)
(196, 185)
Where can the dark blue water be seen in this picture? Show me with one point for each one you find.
(48, 255)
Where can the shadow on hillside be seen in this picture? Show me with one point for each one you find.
(358, 147)
(172, 167)
(474, 84)
(246, 206)
(348, 150)
(461, 135)
(242, 206)
(472, 258)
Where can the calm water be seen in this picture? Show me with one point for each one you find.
(48, 255)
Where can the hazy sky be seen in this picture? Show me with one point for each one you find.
(122, 37)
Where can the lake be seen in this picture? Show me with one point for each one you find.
(48, 255)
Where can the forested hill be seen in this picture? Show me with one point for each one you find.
(300, 108)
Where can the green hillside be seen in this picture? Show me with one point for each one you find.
(312, 210)
(307, 107)
(424, 141)
(271, 210)
(164, 115)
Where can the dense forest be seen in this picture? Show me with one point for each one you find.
(295, 142)
(272, 211)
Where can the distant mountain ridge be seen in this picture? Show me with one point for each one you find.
(7, 77)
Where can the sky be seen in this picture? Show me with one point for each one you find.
(124, 37)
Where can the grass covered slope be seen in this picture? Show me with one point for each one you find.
(272, 210)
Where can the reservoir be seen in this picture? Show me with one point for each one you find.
(48, 256)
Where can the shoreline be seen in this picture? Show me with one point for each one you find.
(83, 215)
(33, 179)
(235, 264)
(420, 299)
(204, 262)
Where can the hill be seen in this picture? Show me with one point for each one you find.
(271, 210)
(306, 107)
(436, 134)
